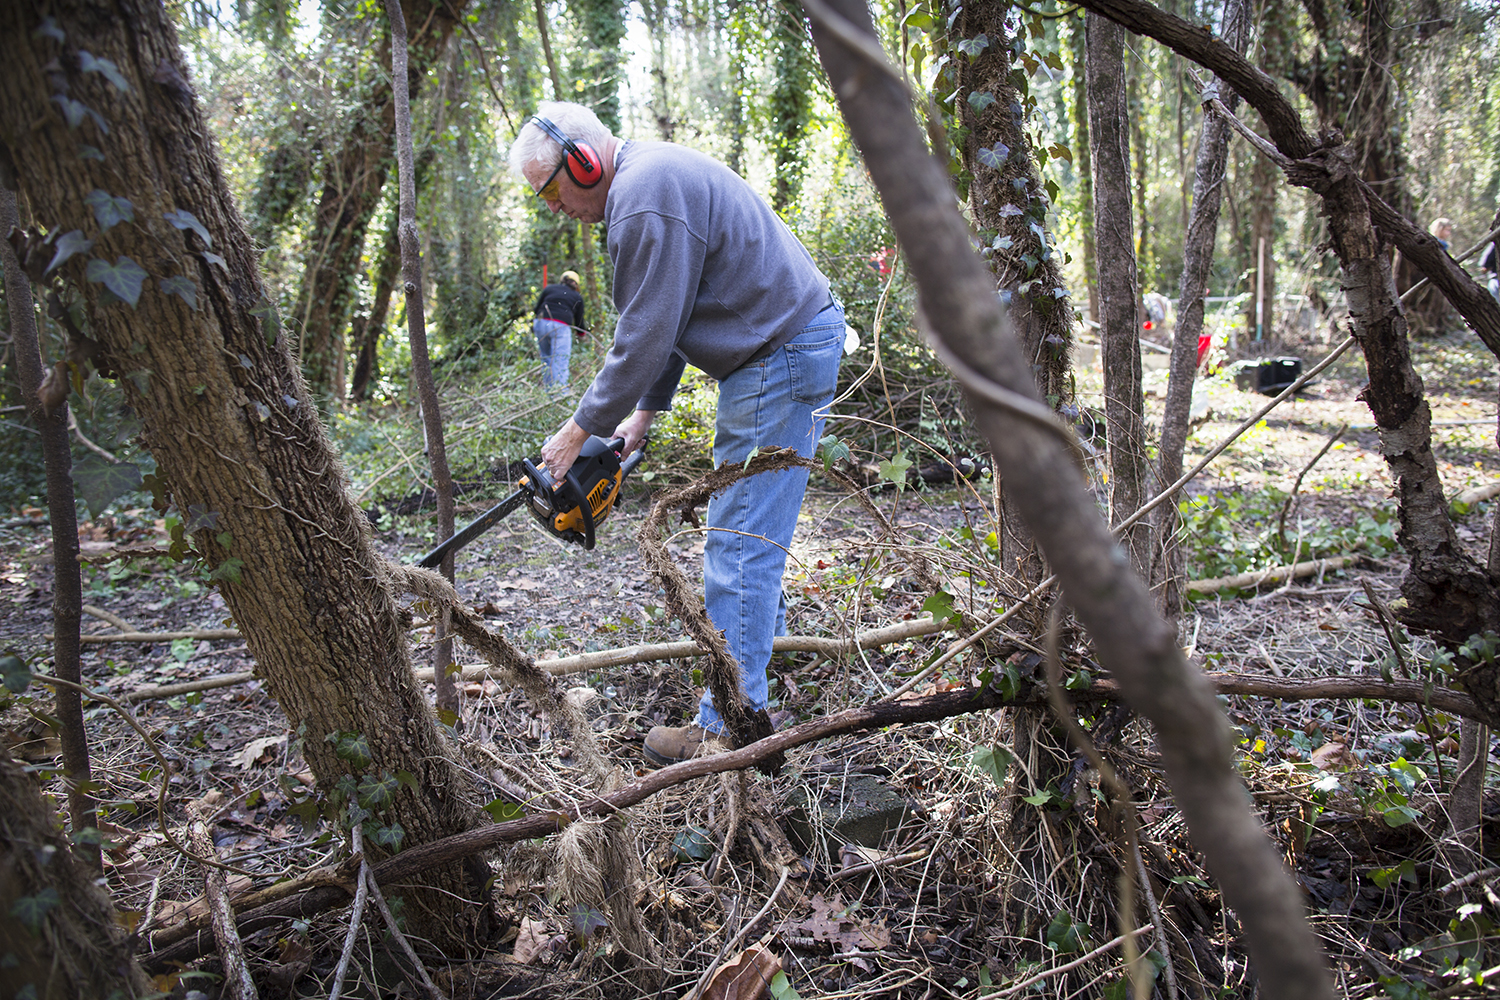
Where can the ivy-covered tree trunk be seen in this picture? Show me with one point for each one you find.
(352, 188)
(1119, 294)
(1083, 166)
(59, 934)
(790, 100)
(1009, 203)
(175, 302)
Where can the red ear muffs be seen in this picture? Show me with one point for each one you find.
(580, 160)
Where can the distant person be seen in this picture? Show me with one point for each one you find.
(559, 315)
(1489, 265)
(1427, 311)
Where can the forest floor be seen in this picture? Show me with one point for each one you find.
(993, 867)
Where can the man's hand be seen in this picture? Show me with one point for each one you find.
(562, 449)
(633, 429)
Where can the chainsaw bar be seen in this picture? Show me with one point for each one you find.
(477, 527)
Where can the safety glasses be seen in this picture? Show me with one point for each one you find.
(550, 189)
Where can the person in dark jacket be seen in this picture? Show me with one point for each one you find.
(1489, 264)
(559, 315)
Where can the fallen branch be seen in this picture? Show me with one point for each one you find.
(1247, 581)
(185, 942)
(238, 985)
(210, 634)
(1015, 988)
(188, 687)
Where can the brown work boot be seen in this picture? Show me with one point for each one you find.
(670, 744)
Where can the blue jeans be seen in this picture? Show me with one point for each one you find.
(773, 402)
(554, 341)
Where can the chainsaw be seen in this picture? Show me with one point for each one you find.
(571, 510)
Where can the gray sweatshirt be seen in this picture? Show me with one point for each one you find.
(705, 273)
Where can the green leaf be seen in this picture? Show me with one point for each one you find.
(352, 747)
(940, 607)
(68, 244)
(108, 210)
(99, 482)
(14, 673)
(994, 156)
(124, 278)
(32, 910)
(979, 100)
(693, 843)
(181, 286)
(49, 29)
(183, 219)
(501, 811)
(182, 649)
(228, 570)
(105, 68)
(1399, 816)
(994, 761)
(894, 470)
(388, 836)
(1040, 798)
(74, 112)
(833, 449)
(971, 47)
(270, 323)
(87, 152)
(378, 793)
(1064, 936)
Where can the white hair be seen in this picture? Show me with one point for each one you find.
(534, 145)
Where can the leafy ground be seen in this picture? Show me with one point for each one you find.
(1000, 867)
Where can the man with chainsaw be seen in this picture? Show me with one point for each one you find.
(704, 274)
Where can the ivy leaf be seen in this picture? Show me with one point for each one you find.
(32, 910)
(99, 482)
(1003, 242)
(833, 450)
(971, 47)
(388, 836)
(14, 673)
(228, 570)
(352, 747)
(124, 277)
(994, 761)
(501, 811)
(1059, 150)
(918, 17)
(182, 287)
(104, 67)
(981, 100)
(894, 470)
(87, 152)
(940, 607)
(73, 112)
(214, 258)
(1006, 211)
(49, 29)
(994, 156)
(270, 322)
(377, 793)
(200, 517)
(109, 210)
(67, 245)
(183, 219)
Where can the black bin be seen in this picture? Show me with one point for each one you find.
(1269, 375)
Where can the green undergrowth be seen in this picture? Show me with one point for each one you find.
(1224, 533)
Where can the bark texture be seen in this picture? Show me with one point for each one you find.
(226, 413)
(352, 187)
(1132, 641)
(1119, 290)
(60, 927)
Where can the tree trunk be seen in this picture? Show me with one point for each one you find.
(1009, 205)
(1197, 262)
(1082, 163)
(1119, 293)
(67, 586)
(790, 101)
(352, 188)
(1260, 314)
(228, 418)
(59, 928)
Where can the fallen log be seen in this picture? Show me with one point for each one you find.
(1278, 574)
